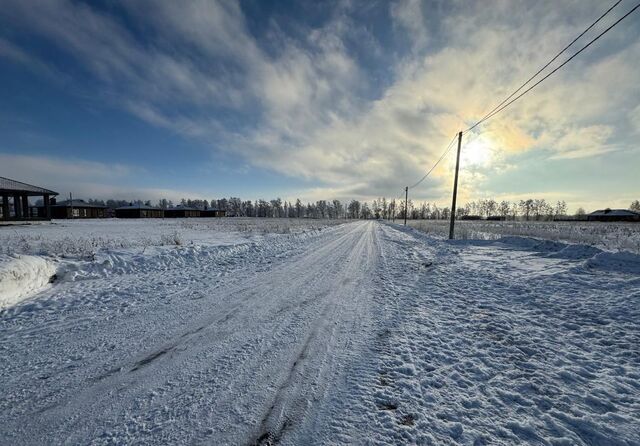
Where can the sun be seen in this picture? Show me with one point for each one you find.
(477, 152)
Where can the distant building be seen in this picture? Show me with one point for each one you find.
(470, 217)
(212, 212)
(74, 209)
(614, 215)
(139, 211)
(181, 212)
(15, 200)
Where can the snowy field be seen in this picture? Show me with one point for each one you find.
(84, 237)
(245, 331)
(608, 236)
(31, 254)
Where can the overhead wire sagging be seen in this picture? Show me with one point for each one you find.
(499, 108)
(514, 96)
(547, 64)
(437, 162)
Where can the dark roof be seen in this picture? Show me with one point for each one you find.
(138, 206)
(181, 208)
(614, 213)
(13, 186)
(77, 203)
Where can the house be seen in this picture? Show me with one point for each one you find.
(74, 209)
(614, 215)
(139, 211)
(212, 212)
(181, 212)
(15, 200)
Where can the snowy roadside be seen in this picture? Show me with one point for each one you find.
(605, 236)
(501, 343)
(33, 256)
(21, 276)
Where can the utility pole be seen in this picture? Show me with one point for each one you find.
(406, 198)
(455, 189)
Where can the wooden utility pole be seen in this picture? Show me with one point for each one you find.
(455, 189)
(406, 198)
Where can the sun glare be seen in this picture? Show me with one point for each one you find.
(477, 153)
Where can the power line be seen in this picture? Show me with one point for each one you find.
(437, 162)
(564, 63)
(506, 102)
(557, 68)
(500, 108)
(406, 191)
(548, 63)
(511, 99)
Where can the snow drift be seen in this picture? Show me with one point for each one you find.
(21, 276)
(621, 262)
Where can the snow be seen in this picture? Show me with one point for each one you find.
(74, 249)
(82, 238)
(305, 332)
(605, 236)
(487, 343)
(21, 275)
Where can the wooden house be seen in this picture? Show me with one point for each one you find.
(139, 211)
(181, 212)
(15, 200)
(212, 212)
(74, 209)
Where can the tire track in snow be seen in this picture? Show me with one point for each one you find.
(276, 337)
(494, 345)
(289, 401)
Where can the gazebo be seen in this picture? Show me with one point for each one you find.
(20, 193)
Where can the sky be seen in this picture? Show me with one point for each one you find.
(318, 100)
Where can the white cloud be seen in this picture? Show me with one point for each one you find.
(85, 179)
(407, 15)
(584, 142)
(304, 95)
(634, 118)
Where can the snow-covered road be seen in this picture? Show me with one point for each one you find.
(162, 355)
(361, 333)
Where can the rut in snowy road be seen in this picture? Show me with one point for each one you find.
(244, 365)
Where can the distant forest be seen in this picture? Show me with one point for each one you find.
(530, 209)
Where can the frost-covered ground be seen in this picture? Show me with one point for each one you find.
(609, 236)
(69, 238)
(361, 333)
(516, 341)
(31, 254)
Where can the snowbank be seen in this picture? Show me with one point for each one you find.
(21, 276)
(622, 262)
(593, 258)
(532, 244)
(575, 252)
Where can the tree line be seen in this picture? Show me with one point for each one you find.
(525, 209)
(529, 209)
